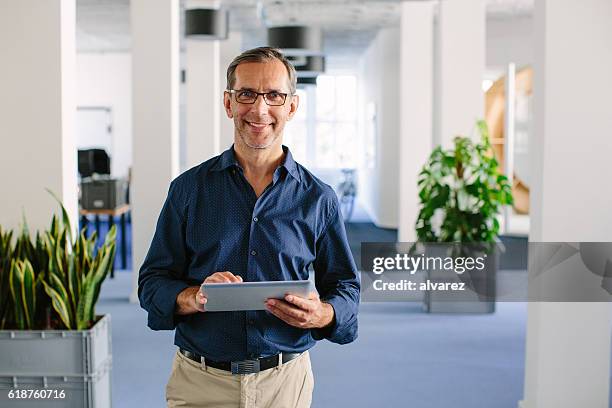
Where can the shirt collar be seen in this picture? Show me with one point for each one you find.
(290, 165)
(228, 159)
(225, 160)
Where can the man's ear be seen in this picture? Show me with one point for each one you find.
(293, 106)
(227, 104)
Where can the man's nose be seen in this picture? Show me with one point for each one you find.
(260, 104)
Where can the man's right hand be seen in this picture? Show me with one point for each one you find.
(192, 300)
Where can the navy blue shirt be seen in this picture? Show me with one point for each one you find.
(213, 221)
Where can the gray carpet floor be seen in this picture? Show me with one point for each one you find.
(402, 358)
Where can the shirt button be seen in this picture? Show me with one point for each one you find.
(255, 219)
(253, 252)
(251, 321)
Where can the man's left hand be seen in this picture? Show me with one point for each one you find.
(305, 313)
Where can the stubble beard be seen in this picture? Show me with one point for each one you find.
(245, 139)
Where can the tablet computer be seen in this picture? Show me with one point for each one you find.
(223, 297)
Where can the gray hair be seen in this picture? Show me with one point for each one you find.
(261, 54)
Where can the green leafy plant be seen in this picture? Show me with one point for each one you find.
(27, 270)
(23, 285)
(6, 254)
(56, 273)
(461, 192)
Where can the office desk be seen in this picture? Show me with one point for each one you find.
(117, 212)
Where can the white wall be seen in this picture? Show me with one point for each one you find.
(37, 111)
(105, 79)
(568, 344)
(459, 69)
(379, 78)
(509, 40)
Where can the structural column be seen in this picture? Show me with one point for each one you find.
(460, 64)
(203, 96)
(416, 107)
(37, 108)
(230, 49)
(155, 82)
(568, 344)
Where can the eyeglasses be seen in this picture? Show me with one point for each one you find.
(250, 97)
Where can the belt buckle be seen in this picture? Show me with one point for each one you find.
(245, 367)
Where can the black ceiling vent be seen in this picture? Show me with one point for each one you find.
(307, 80)
(206, 24)
(308, 66)
(296, 40)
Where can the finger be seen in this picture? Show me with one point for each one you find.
(201, 298)
(313, 296)
(200, 301)
(284, 316)
(230, 276)
(288, 309)
(218, 277)
(300, 302)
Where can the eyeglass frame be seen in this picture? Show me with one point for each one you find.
(263, 94)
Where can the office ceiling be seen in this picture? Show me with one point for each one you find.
(348, 25)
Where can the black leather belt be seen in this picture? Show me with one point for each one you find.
(244, 366)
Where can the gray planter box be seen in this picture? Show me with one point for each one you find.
(76, 361)
(483, 282)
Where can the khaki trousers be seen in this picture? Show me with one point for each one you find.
(287, 386)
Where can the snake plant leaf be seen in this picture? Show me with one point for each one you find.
(57, 285)
(5, 257)
(92, 284)
(58, 305)
(72, 283)
(65, 217)
(82, 253)
(82, 317)
(99, 277)
(111, 236)
(54, 226)
(15, 279)
(60, 254)
(28, 293)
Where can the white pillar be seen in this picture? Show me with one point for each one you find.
(230, 49)
(37, 108)
(203, 106)
(416, 107)
(460, 63)
(203, 92)
(509, 119)
(155, 81)
(568, 344)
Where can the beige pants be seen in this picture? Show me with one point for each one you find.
(287, 386)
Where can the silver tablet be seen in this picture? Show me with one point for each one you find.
(222, 297)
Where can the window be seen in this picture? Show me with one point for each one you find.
(296, 130)
(323, 134)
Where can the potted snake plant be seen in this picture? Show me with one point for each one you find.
(461, 193)
(53, 346)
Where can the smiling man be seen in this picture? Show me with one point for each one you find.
(250, 214)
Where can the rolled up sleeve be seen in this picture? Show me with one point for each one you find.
(337, 281)
(162, 275)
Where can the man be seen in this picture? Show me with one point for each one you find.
(250, 214)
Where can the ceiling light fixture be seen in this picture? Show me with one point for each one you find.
(206, 24)
(296, 40)
(309, 66)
